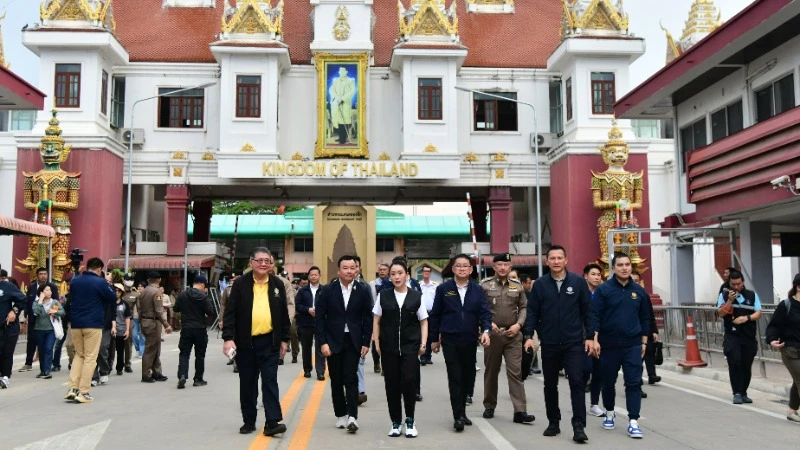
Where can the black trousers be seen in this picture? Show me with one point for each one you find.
(459, 358)
(30, 347)
(119, 343)
(197, 338)
(8, 342)
(650, 357)
(571, 358)
(376, 358)
(112, 350)
(343, 370)
(401, 379)
(740, 352)
(260, 359)
(306, 344)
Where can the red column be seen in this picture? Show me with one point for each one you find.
(201, 210)
(175, 234)
(502, 218)
(479, 216)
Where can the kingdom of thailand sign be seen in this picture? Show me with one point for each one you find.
(418, 170)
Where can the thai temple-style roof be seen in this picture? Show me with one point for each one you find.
(704, 17)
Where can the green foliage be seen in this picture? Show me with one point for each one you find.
(245, 207)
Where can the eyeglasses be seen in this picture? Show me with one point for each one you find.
(262, 261)
(462, 266)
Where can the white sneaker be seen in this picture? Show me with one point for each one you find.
(93, 383)
(352, 425)
(104, 379)
(793, 416)
(597, 411)
(395, 430)
(477, 368)
(4, 382)
(633, 430)
(341, 422)
(411, 428)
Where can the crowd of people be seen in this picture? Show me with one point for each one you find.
(580, 327)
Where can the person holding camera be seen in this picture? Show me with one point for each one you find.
(783, 334)
(739, 308)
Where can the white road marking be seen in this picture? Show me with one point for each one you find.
(492, 434)
(85, 438)
(726, 402)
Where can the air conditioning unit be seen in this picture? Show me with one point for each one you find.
(133, 135)
(545, 141)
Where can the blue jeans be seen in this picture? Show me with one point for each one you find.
(45, 340)
(361, 386)
(57, 349)
(138, 337)
(630, 359)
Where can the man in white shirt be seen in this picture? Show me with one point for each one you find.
(428, 293)
(305, 304)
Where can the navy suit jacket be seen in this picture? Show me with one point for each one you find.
(302, 302)
(459, 322)
(331, 316)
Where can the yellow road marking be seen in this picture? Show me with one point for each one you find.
(261, 442)
(303, 431)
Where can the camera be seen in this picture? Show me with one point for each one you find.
(778, 182)
(76, 258)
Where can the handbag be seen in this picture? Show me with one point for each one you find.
(58, 328)
(658, 353)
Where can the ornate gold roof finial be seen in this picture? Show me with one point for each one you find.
(673, 50)
(428, 19)
(499, 157)
(247, 148)
(3, 61)
(252, 17)
(179, 155)
(208, 156)
(430, 148)
(704, 18)
(384, 157)
(594, 17)
(96, 13)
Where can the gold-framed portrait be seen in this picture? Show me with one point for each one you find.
(341, 105)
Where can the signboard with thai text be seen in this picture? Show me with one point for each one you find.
(333, 168)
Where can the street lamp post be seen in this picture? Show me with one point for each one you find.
(130, 167)
(536, 162)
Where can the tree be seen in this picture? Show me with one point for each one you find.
(246, 207)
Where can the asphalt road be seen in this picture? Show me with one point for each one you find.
(681, 412)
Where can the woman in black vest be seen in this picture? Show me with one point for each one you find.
(783, 334)
(400, 332)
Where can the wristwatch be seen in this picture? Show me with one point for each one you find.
(486, 332)
(16, 310)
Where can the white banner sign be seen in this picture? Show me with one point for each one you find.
(339, 168)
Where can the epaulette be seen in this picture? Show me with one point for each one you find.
(487, 279)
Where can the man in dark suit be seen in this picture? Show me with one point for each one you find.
(344, 330)
(459, 309)
(30, 350)
(305, 304)
(256, 326)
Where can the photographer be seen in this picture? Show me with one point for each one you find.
(740, 308)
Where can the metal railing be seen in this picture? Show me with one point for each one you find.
(710, 332)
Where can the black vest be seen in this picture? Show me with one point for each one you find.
(400, 330)
(747, 329)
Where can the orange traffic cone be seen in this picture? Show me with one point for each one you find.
(692, 348)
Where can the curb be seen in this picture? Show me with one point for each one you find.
(720, 375)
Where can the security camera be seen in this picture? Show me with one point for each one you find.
(780, 181)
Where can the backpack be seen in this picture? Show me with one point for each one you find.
(787, 302)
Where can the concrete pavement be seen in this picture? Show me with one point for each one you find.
(682, 412)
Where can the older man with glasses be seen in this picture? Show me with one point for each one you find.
(256, 331)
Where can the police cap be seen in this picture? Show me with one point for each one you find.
(153, 275)
(503, 257)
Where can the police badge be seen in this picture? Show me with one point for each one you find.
(569, 289)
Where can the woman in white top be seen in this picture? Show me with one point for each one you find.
(400, 332)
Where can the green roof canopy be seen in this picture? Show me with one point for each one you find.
(301, 223)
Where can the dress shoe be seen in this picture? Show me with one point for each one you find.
(488, 413)
(230, 363)
(362, 398)
(119, 373)
(523, 417)
(746, 399)
(56, 368)
(273, 428)
(377, 368)
(200, 383)
(466, 421)
(737, 399)
(280, 362)
(128, 369)
(459, 425)
(422, 362)
(536, 370)
(419, 397)
(182, 383)
(320, 377)
(160, 377)
(578, 434)
(48, 376)
(653, 380)
(469, 400)
(294, 361)
(148, 380)
(552, 429)
(307, 374)
(644, 394)
(247, 428)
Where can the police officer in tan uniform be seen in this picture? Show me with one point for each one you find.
(290, 294)
(151, 316)
(508, 303)
(223, 301)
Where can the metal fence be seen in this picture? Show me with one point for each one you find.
(709, 329)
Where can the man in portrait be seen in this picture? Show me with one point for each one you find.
(342, 91)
